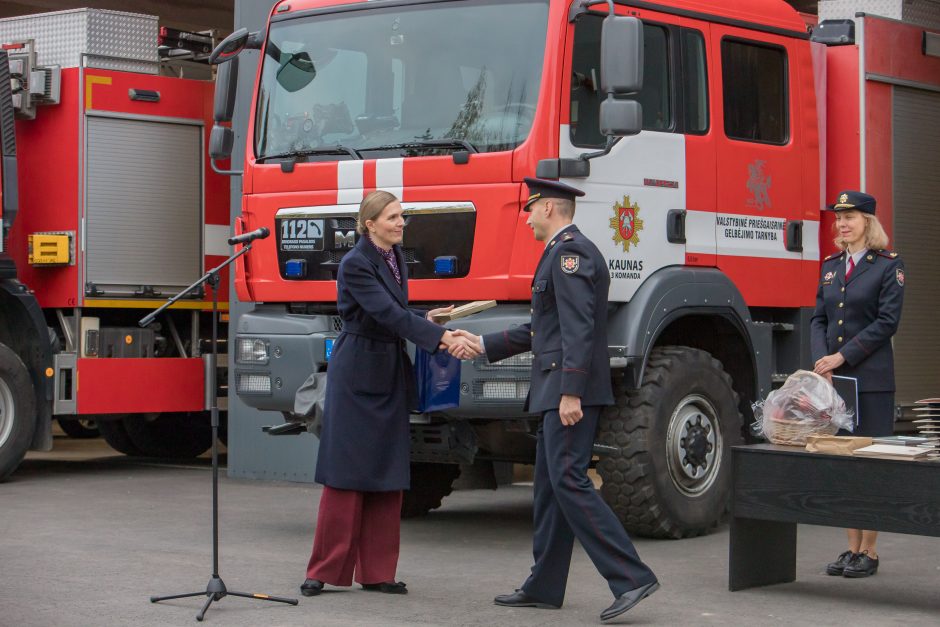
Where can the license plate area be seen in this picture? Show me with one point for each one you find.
(300, 234)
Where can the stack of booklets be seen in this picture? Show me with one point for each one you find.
(891, 451)
(928, 425)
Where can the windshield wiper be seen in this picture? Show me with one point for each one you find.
(338, 149)
(428, 143)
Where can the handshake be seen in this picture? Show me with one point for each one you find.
(459, 343)
(462, 344)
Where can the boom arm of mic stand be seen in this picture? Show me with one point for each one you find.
(149, 318)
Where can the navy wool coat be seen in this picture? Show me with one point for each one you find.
(365, 444)
(568, 331)
(858, 317)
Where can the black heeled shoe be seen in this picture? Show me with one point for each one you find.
(311, 587)
(388, 587)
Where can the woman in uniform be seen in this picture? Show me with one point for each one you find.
(858, 308)
(363, 460)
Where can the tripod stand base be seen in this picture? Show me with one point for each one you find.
(216, 591)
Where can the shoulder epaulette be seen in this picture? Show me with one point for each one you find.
(887, 254)
(567, 237)
(833, 256)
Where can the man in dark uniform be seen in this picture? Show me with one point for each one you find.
(858, 309)
(570, 385)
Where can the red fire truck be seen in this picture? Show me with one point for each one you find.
(109, 207)
(707, 135)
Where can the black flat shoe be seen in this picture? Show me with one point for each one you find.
(388, 587)
(837, 567)
(311, 587)
(521, 599)
(861, 566)
(628, 599)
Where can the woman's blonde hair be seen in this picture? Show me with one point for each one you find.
(875, 236)
(371, 208)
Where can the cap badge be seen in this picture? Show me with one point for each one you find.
(844, 198)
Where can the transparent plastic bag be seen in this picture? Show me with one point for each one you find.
(807, 404)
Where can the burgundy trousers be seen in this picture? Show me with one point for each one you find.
(356, 531)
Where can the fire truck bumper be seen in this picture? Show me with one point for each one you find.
(274, 353)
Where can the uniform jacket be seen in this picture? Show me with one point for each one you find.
(568, 331)
(365, 444)
(858, 317)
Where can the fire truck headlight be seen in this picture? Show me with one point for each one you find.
(503, 390)
(252, 350)
(250, 383)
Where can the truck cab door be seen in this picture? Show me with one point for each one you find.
(760, 162)
(631, 190)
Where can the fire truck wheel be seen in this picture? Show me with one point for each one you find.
(671, 477)
(81, 429)
(115, 434)
(17, 411)
(430, 483)
(178, 435)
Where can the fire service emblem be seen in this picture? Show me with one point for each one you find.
(626, 224)
(570, 263)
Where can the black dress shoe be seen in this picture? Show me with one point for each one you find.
(521, 599)
(628, 599)
(837, 567)
(861, 566)
(388, 587)
(311, 587)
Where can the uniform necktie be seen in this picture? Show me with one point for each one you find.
(848, 272)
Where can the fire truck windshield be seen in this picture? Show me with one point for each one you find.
(397, 80)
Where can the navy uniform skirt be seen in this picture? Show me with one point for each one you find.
(875, 414)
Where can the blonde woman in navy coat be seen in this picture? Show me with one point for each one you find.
(858, 308)
(363, 459)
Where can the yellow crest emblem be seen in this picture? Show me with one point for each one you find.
(626, 224)
(844, 198)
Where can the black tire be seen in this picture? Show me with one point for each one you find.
(115, 434)
(17, 411)
(177, 435)
(80, 428)
(430, 483)
(669, 421)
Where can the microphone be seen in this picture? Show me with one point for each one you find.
(250, 236)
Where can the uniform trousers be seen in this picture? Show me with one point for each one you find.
(356, 531)
(566, 506)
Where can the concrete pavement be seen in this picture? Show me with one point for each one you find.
(85, 540)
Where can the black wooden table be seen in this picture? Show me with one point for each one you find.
(776, 487)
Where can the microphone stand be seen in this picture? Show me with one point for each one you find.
(215, 590)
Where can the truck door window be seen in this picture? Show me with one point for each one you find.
(755, 89)
(586, 96)
(694, 83)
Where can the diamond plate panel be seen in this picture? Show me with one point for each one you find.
(846, 9)
(923, 13)
(112, 39)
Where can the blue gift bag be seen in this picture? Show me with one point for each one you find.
(438, 379)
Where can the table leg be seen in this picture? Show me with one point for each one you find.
(762, 552)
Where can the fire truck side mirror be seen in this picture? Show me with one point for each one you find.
(621, 117)
(226, 82)
(229, 47)
(621, 55)
(221, 142)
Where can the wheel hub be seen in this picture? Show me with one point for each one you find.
(6, 412)
(694, 445)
